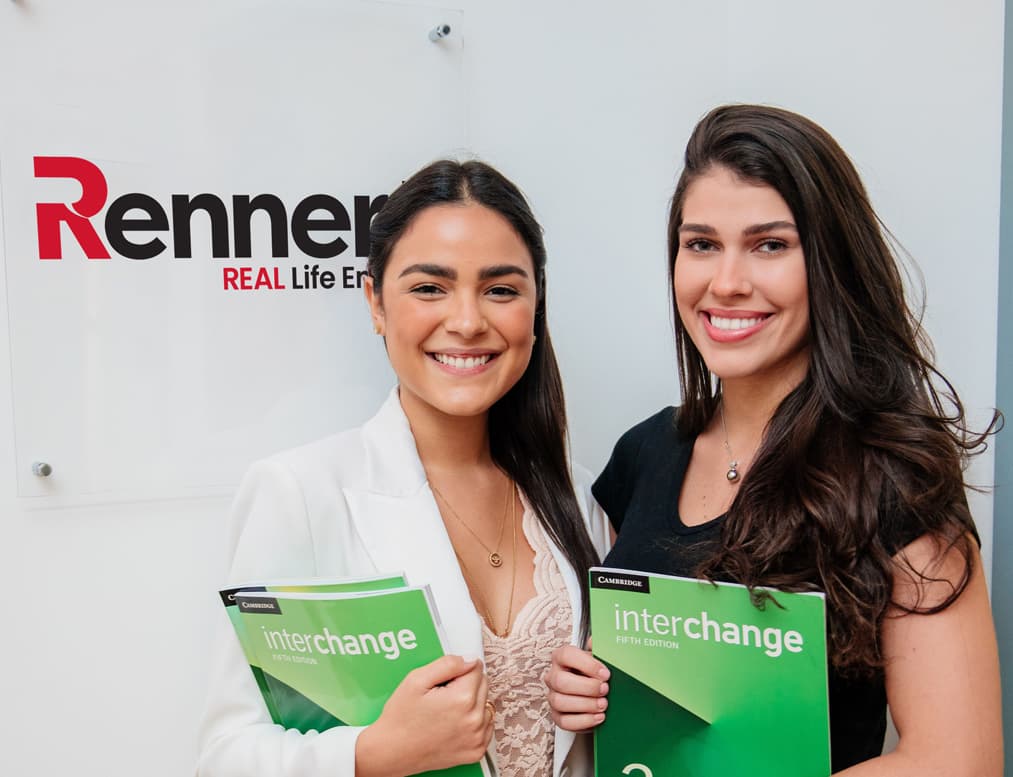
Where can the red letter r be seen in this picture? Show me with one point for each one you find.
(49, 214)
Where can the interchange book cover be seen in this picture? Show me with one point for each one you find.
(332, 659)
(704, 683)
(315, 585)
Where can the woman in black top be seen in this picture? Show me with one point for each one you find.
(814, 450)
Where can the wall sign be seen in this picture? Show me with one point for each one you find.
(185, 223)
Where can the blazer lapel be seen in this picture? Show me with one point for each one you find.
(406, 534)
(400, 525)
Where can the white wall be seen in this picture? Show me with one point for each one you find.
(103, 672)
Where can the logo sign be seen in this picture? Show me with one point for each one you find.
(184, 267)
(620, 581)
(137, 226)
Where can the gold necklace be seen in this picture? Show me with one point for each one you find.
(486, 613)
(495, 559)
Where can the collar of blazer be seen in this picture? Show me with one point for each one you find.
(400, 525)
(391, 463)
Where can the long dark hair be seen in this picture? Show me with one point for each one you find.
(527, 426)
(873, 438)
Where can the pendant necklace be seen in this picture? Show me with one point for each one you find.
(732, 475)
(494, 558)
(479, 600)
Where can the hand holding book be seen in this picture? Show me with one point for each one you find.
(578, 688)
(366, 653)
(436, 718)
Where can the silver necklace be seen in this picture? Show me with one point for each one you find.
(732, 475)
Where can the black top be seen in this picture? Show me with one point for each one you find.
(639, 490)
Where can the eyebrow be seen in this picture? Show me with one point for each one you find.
(441, 271)
(702, 229)
(755, 229)
(770, 226)
(430, 269)
(499, 270)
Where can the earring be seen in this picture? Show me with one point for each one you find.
(376, 328)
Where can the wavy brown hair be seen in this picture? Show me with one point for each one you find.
(873, 442)
(527, 426)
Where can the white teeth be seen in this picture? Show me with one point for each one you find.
(729, 324)
(461, 362)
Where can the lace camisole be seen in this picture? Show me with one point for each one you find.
(516, 663)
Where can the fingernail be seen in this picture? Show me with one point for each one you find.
(603, 689)
(604, 673)
(598, 717)
(602, 703)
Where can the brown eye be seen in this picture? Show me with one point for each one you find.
(772, 246)
(426, 289)
(503, 291)
(699, 245)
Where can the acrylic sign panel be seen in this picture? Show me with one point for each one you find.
(226, 157)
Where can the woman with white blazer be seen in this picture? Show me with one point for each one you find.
(461, 481)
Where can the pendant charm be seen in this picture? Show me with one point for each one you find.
(732, 475)
(496, 560)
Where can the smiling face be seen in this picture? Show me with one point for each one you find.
(457, 310)
(740, 280)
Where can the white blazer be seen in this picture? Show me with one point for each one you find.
(354, 504)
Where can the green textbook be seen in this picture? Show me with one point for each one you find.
(333, 659)
(319, 585)
(706, 684)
